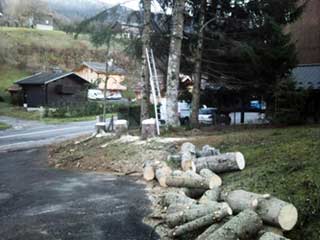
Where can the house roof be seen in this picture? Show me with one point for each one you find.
(42, 78)
(101, 68)
(307, 76)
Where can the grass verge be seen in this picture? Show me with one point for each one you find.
(4, 126)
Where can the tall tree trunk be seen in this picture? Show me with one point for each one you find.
(174, 63)
(144, 70)
(197, 76)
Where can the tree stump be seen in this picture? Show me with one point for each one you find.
(121, 127)
(148, 129)
(188, 155)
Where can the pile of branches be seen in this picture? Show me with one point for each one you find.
(202, 206)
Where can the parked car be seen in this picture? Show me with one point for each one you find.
(207, 115)
(95, 94)
(184, 111)
(115, 96)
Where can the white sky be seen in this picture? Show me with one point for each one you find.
(134, 4)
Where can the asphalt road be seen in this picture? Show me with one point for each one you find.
(26, 134)
(37, 202)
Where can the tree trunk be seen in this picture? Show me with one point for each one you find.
(221, 163)
(240, 200)
(145, 91)
(161, 172)
(278, 213)
(174, 64)
(211, 195)
(187, 182)
(198, 223)
(193, 213)
(242, 226)
(177, 198)
(213, 178)
(197, 75)
(188, 155)
(121, 127)
(272, 236)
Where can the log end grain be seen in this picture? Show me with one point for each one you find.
(240, 160)
(288, 217)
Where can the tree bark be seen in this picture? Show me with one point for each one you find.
(197, 75)
(221, 163)
(187, 182)
(271, 229)
(193, 213)
(240, 200)
(211, 195)
(177, 198)
(148, 128)
(272, 236)
(213, 178)
(174, 64)
(207, 151)
(242, 226)
(278, 213)
(162, 172)
(145, 91)
(148, 171)
(188, 155)
(198, 223)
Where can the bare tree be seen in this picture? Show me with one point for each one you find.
(144, 70)
(174, 63)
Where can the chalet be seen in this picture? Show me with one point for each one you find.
(95, 73)
(53, 89)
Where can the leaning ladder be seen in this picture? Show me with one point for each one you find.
(154, 83)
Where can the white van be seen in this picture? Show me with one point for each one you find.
(95, 94)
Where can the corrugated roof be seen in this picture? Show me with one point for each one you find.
(101, 68)
(44, 78)
(307, 76)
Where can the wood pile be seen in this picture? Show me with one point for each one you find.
(201, 206)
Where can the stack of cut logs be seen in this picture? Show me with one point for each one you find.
(202, 206)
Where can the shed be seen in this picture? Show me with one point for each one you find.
(53, 89)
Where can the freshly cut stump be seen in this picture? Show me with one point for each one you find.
(177, 198)
(240, 200)
(121, 127)
(188, 154)
(221, 163)
(191, 214)
(278, 213)
(272, 236)
(198, 223)
(242, 226)
(148, 171)
(213, 178)
(149, 128)
(187, 182)
(211, 195)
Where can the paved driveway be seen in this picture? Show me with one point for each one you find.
(41, 203)
(27, 134)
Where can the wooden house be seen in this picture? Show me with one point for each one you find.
(95, 73)
(53, 89)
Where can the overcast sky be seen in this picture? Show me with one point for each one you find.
(134, 4)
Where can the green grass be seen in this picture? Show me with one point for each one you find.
(4, 126)
(283, 162)
(8, 75)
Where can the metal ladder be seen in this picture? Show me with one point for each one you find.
(154, 83)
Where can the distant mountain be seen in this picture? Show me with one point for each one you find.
(80, 9)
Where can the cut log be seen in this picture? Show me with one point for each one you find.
(242, 226)
(278, 213)
(272, 236)
(272, 229)
(176, 158)
(148, 171)
(207, 151)
(148, 128)
(187, 182)
(211, 195)
(240, 200)
(121, 127)
(174, 208)
(177, 198)
(198, 223)
(194, 193)
(193, 213)
(162, 172)
(221, 163)
(213, 228)
(213, 178)
(188, 154)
